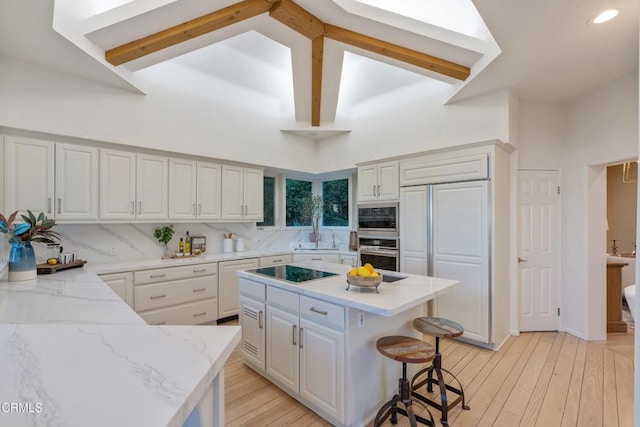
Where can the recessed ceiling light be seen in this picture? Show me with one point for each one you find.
(605, 16)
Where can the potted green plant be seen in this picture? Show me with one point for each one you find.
(312, 212)
(164, 236)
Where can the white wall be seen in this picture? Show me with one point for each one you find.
(579, 139)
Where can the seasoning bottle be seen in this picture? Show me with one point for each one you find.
(187, 244)
(181, 248)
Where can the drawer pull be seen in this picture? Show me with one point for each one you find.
(277, 260)
(157, 296)
(293, 335)
(200, 290)
(157, 276)
(202, 270)
(316, 259)
(200, 314)
(315, 310)
(160, 323)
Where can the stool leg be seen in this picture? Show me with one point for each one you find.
(430, 373)
(460, 391)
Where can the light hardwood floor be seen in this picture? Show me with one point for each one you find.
(536, 379)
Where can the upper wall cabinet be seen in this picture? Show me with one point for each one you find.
(242, 193)
(194, 190)
(444, 167)
(60, 180)
(378, 182)
(133, 186)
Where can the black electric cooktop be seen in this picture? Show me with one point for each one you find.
(291, 273)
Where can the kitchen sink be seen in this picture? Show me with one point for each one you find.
(390, 278)
(316, 249)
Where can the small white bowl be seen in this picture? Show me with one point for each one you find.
(179, 254)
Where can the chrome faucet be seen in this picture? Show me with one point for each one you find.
(333, 237)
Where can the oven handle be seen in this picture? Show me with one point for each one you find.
(381, 252)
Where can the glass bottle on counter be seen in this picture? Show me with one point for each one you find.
(187, 244)
(181, 247)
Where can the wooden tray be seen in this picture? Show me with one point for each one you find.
(48, 268)
(179, 257)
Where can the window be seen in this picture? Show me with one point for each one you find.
(335, 195)
(269, 183)
(296, 191)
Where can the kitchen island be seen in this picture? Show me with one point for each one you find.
(316, 340)
(73, 353)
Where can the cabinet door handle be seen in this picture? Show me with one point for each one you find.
(293, 335)
(59, 206)
(155, 276)
(194, 210)
(315, 310)
(157, 296)
(200, 314)
(49, 205)
(202, 270)
(199, 208)
(300, 338)
(378, 190)
(139, 208)
(133, 207)
(260, 325)
(374, 190)
(199, 289)
(160, 323)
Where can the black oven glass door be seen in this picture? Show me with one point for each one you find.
(377, 218)
(380, 261)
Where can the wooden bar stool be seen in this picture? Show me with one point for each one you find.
(405, 350)
(438, 328)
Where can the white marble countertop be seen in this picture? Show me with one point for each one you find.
(120, 267)
(105, 375)
(77, 355)
(393, 298)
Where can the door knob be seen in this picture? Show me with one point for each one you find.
(521, 260)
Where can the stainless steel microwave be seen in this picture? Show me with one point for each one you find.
(378, 219)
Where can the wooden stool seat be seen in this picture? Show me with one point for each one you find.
(437, 327)
(406, 349)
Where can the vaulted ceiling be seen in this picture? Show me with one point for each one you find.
(546, 52)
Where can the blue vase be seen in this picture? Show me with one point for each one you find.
(22, 262)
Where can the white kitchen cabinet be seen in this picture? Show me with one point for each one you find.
(282, 358)
(445, 167)
(185, 295)
(228, 289)
(320, 256)
(133, 186)
(76, 185)
(267, 261)
(152, 182)
(194, 189)
(242, 193)
(122, 284)
(252, 321)
(30, 177)
(378, 182)
(322, 353)
(348, 260)
(60, 180)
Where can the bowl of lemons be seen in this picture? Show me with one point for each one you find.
(365, 276)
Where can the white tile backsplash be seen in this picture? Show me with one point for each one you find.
(135, 241)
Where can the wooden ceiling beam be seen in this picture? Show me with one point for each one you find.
(410, 56)
(187, 30)
(298, 19)
(317, 57)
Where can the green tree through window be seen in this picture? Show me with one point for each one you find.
(296, 192)
(269, 183)
(336, 203)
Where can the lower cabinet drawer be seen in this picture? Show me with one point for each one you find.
(276, 260)
(322, 312)
(194, 313)
(148, 297)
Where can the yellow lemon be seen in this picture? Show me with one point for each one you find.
(52, 261)
(369, 267)
(364, 272)
(374, 274)
(353, 272)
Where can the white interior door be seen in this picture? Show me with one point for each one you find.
(539, 249)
